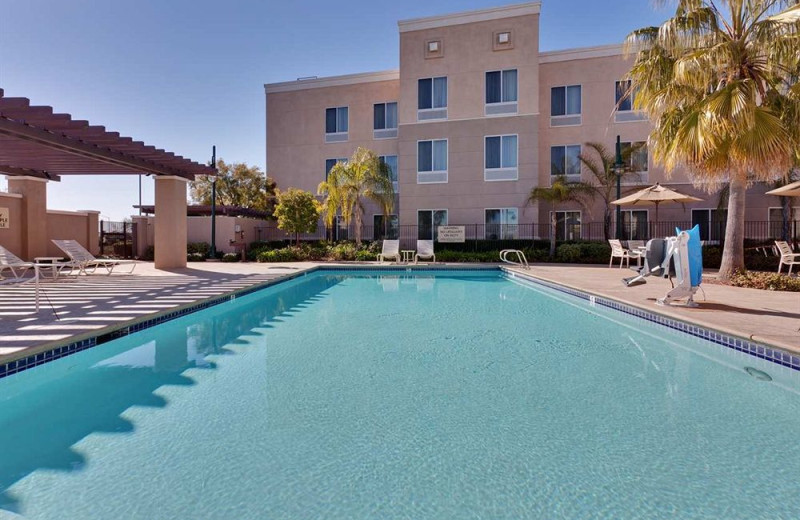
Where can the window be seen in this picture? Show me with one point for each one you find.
(330, 163)
(501, 224)
(776, 223)
(500, 158)
(501, 92)
(432, 98)
(391, 162)
(568, 225)
(624, 101)
(711, 222)
(564, 161)
(638, 160)
(565, 105)
(428, 222)
(385, 228)
(336, 124)
(385, 120)
(432, 161)
(634, 224)
(340, 230)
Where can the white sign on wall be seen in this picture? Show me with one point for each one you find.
(451, 234)
(4, 218)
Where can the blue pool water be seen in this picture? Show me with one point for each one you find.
(397, 396)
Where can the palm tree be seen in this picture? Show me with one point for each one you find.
(559, 192)
(718, 81)
(605, 177)
(350, 183)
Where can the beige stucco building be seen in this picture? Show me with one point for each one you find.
(473, 119)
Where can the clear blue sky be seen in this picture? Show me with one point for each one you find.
(186, 74)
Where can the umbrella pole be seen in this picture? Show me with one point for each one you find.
(657, 216)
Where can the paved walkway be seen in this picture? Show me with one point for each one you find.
(765, 316)
(92, 303)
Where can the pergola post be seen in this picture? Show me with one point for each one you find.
(34, 214)
(170, 222)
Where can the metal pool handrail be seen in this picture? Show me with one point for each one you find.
(521, 260)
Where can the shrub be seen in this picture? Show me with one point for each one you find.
(364, 255)
(202, 248)
(230, 257)
(149, 254)
(196, 257)
(765, 281)
(343, 251)
(568, 253)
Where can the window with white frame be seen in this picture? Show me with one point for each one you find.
(565, 105)
(432, 161)
(501, 92)
(384, 120)
(624, 102)
(385, 228)
(428, 222)
(336, 124)
(568, 225)
(391, 164)
(330, 163)
(792, 222)
(501, 223)
(565, 160)
(500, 158)
(711, 223)
(432, 98)
(634, 224)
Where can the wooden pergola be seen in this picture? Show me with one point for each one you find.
(38, 145)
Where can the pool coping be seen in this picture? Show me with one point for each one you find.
(52, 350)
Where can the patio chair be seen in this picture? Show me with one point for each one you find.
(86, 262)
(390, 249)
(788, 257)
(424, 250)
(624, 255)
(18, 268)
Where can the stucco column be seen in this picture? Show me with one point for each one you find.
(140, 238)
(93, 231)
(170, 232)
(34, 214)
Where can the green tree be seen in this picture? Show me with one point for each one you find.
(237, 185)
(600, 164)
(559, 192)
(297, 212)
(349, 184)
(719, 83)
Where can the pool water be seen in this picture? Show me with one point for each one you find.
(368, 395)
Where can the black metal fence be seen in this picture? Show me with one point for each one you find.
(117, 239)
(486, 237)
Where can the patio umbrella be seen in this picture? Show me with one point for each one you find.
(655, 194)
(790, 190)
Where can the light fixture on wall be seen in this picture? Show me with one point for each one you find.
(433, 46)
(503, 37)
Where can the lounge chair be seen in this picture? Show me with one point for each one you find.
(424, 250)
(788, 257)
(624, 255)
(390, 249)
(86, 262)
(18, 268)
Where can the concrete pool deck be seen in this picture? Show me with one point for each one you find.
(74, 310)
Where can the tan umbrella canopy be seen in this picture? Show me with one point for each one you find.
(790, 190)
(655, 195)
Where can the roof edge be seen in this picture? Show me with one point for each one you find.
(480, 15)
(332, 81)
(581, 53)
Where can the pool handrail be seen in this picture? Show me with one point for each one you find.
(521, 260)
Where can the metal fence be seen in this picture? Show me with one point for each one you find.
(117, 238)
(486, 237)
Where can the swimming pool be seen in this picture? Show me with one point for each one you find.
(402, 395)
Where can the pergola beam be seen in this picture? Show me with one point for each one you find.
(25, 172)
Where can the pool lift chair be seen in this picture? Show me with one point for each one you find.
(679, 256)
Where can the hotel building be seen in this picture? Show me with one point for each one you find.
(473, 119)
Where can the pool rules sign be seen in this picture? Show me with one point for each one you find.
(3, 218)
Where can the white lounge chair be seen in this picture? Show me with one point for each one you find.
(86, 262)
(624, 255)
(390, 249)
(424, 250)
(18, 268)
(788, 257)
